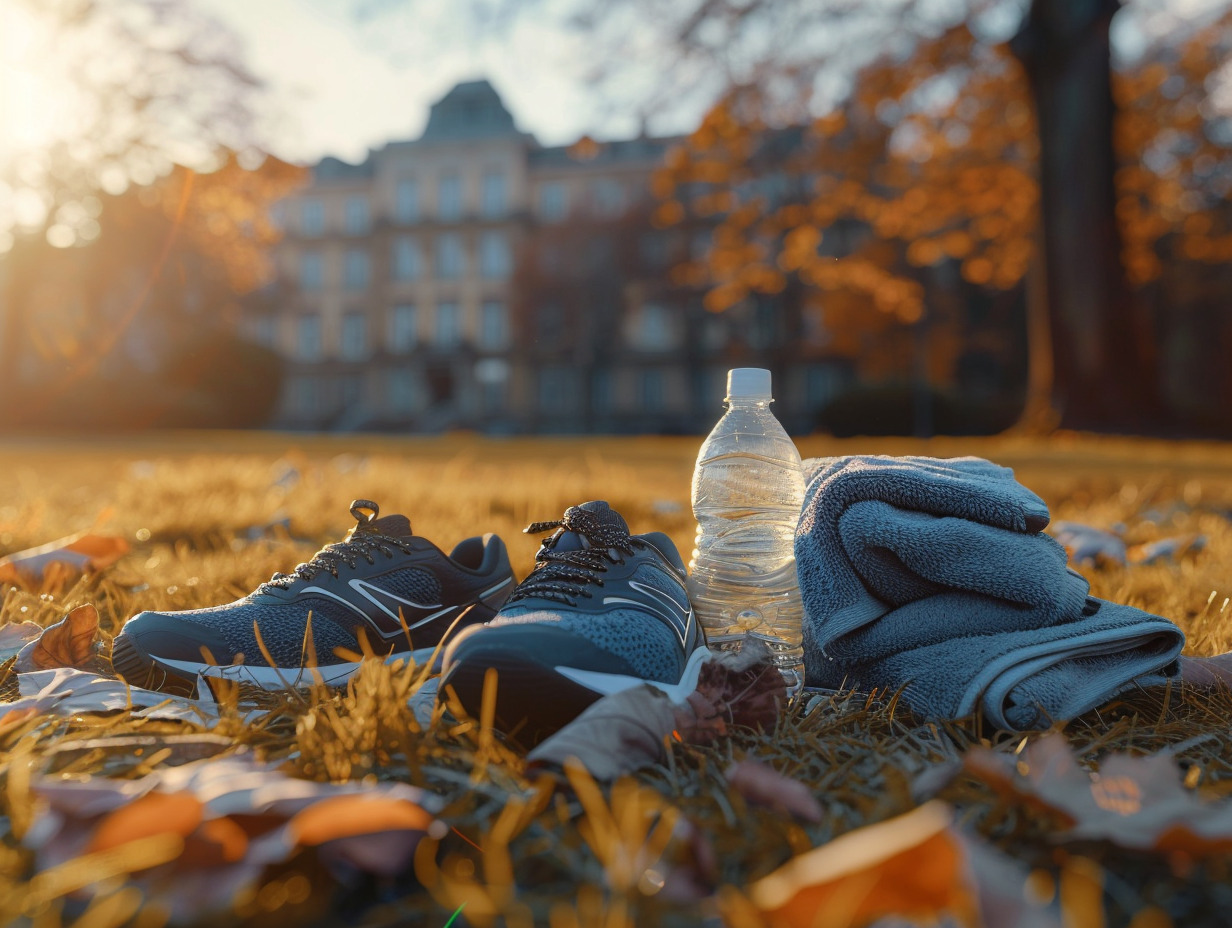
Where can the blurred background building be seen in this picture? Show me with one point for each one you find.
(474, 278)
(1012, 211)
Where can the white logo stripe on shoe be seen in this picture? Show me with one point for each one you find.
(411, 610)
(676, 618)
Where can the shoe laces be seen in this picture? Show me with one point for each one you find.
(362, 543)
(564, 575)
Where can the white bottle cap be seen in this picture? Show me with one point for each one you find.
(748, 383)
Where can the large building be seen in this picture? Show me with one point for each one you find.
(472, 278)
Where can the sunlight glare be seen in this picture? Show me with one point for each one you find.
(37, 97)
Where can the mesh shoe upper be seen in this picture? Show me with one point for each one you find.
(623, 593)
(383, 584)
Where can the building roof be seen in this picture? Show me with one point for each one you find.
(472, 109)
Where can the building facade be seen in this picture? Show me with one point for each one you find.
(471, 278)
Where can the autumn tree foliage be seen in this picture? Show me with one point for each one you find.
(138, 327)
(133, 229)
(932, 160)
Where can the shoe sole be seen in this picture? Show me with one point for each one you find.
(179, 677)
(535, 700)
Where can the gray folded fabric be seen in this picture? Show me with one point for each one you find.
(934, 576)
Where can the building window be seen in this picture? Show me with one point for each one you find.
(356, 272)
(406, 259)
(557, 390)
(308, 338)
(355, 217)
(403, 392)
(312, 218)
(655, 328)
(601, 394)
(448, 326)
(354, 345)
(495, 262)
(493, 377)
(305, 396)
(350, 389)
(553, 201)
(550, 324)
(608, 197)
(450, 259)
(652, 394)
(492, 202)
(449, 197)
(493, 326)
(311, 271)
(406, 200)
(403, 328)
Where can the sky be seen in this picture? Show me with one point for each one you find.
(339, 86)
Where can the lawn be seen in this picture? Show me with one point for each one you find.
(209, 516)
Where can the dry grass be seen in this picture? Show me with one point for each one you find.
(518, 847)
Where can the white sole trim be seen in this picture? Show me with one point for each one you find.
(282, 678)
(608, 684)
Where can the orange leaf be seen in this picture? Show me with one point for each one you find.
(215, 842)
(152, 814)
(911, 867)
(77, 554)
(68, 643)
(347, 816)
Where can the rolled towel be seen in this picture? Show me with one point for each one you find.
(934, 575)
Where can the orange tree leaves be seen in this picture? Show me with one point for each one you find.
(935, 155)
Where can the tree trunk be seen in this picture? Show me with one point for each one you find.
(1105, 375)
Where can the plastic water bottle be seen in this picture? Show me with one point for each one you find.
(748, 489)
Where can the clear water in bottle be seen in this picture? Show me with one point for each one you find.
(748, 488)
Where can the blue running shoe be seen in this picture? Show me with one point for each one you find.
(602, 611)
(383, 590)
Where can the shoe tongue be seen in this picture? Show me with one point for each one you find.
(398, 526)
(603, 513)
(606, 515)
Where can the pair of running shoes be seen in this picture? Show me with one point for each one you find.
(602, 610)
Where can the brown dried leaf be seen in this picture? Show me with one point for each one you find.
(1137, 802)
(71, 642)
(912, 867)
(743, 689)
(627, 730)
(616, 735)
(761, 784)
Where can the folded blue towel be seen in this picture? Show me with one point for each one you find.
(934, 575)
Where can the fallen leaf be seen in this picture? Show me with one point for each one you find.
(742, 689)
(614, 736)
(1166, 549)
(230, 819)
(66, 557)
(910, 867)
(1086, 544)
(1135, 801)
(761, 784)
(348, 816)
(71, 642)
(154, 813)
(627, 730)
